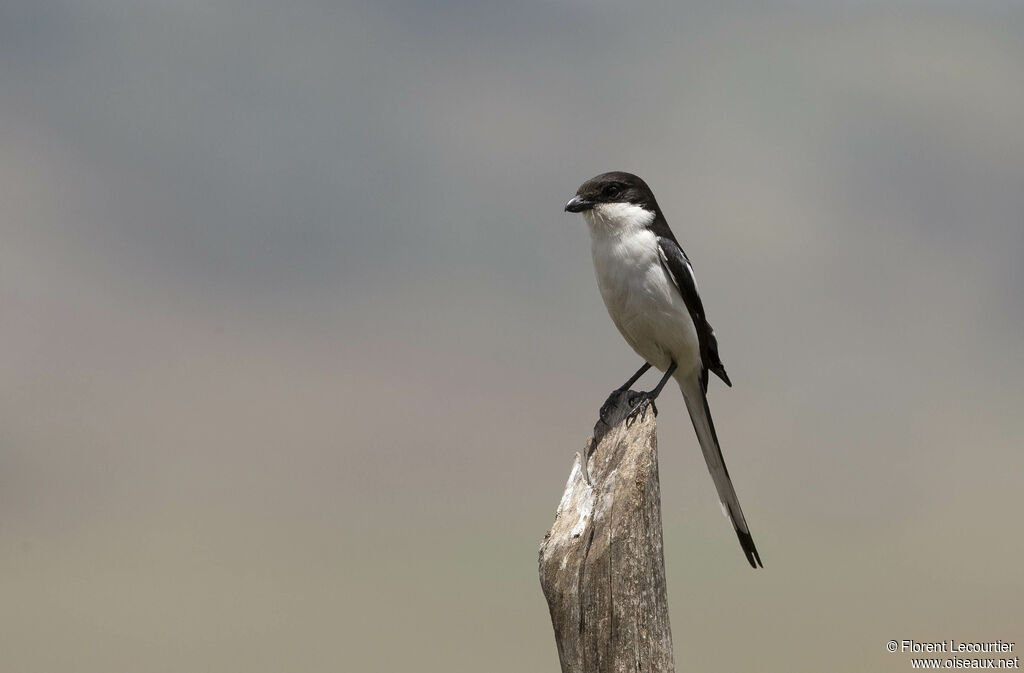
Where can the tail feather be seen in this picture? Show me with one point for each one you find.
(700, 414)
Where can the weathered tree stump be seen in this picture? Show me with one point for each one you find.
(602, 564)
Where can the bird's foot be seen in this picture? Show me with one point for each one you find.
(628, 402)
(638, 403)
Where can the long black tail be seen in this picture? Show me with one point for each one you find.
(700, 414)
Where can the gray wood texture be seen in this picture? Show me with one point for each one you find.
(602, 564)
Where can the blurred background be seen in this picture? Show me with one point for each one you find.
(297, 344)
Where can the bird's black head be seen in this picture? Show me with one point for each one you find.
(615, 187)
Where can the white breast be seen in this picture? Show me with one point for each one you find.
(640, 297)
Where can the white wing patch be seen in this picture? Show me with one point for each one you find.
(668, 270)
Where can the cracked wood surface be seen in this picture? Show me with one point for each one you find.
(602, 564)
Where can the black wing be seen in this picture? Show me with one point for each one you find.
(677, 264)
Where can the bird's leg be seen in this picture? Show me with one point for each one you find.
(610, 403)
(633, 379)
(637, 399)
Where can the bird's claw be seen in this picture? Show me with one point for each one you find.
(638, 407)
(635, 402)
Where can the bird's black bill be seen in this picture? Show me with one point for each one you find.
(578, 205)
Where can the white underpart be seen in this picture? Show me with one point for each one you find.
(640, 296)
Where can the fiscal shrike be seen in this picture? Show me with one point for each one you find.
(650, 291)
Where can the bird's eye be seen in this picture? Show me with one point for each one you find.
(610, 190)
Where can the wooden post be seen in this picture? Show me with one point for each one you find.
(602, 564)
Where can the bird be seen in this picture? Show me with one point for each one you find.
(649, 288)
